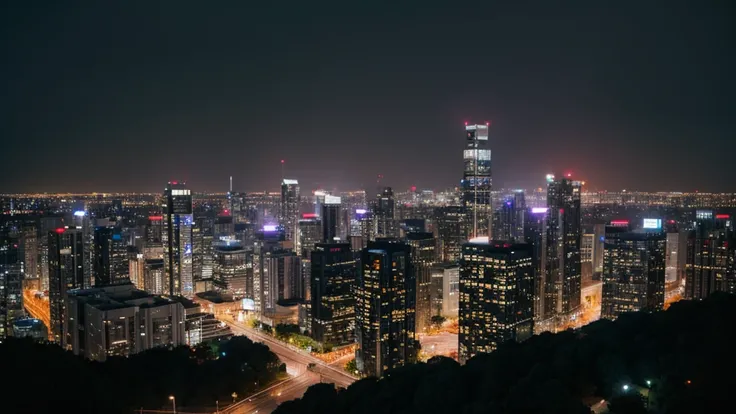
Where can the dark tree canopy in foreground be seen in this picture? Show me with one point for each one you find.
(686, 353)
(43, 378)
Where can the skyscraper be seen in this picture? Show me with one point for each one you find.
(280, 278)
(445, 290)
(633, 270)
(710, 250)
(385, 308)
(110, 258)
(177, 239)
(333, 303)
(535, 235)
(496, 295)
(289, 211)
(11, 284)
(423, 257)
(450, 225)
(476, 183)
(66, 272)
(233, 268)
(383, 213)
(564, 233)
(330, 219)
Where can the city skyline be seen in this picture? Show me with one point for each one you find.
(199, 95)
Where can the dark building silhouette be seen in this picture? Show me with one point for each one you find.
(66, 272)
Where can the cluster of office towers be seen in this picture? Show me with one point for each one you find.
(363, 272)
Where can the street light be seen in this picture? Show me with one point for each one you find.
(626, 387)
(649, 383)
(173, 402)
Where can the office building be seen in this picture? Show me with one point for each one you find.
(110, 257)
(508, 219)
(119, 320)
(30, 328)
(445, 287)
(535, 235)
(310, 233)
(66, 272)
(331, 219)
(633, 270)
(710, 252)
(280, 278)
(496, 296)
(587, 249)
(11, 284)
(177, 239)
(154, 276)
(334, 274)
(289, 211)
(137, 270)
(383, 214)
(562, 282)
(233, 268)
(476, 183)
(424, 257)
(450, 226)
(385, 308)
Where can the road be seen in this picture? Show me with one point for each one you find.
(37, 308)
(296, 361)
(267, 400)
(443, 343)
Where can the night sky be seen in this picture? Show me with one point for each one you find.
(124, 96)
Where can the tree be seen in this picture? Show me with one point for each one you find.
(437, 321)
(628, 403)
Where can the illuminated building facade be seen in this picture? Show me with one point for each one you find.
(333, 303)
(11, 284)
(476, 183)
(289, 211)
(450, 225)
(385, 308)
(535, 235)
(154, 276)
(496, 296)
(445, 290)
(633, 270)
(177, 239)
(563, 242)
(110, 257)
(120, 320)
(281, 278)
(424, 257)
(710, 255)
(233, 268)
(383, 214)
(66, 272)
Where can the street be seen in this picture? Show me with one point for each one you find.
(296, 361)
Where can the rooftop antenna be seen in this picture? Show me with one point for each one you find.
(231, 184)
(282, 169)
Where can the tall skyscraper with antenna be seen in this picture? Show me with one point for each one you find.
(476, 182)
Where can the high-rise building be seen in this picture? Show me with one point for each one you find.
(385, 308)
(476, 183)
(66, 272)
(11, 285)
(281, 278)
(564, 233)
(445, 290)
(233, 268)
(383, 213)
(424, 257)
(289, 211)
(331, 219)
(177, 239)
(587, 248)
(633, 270)
(508, 219)
(450, 224)
(710, 251)
(110, 257)
(30, 251)
(496, 296)
(310, 229)
(154, 276)
(137, 270)
(120, 321)
(535, 235)
(333, 303)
